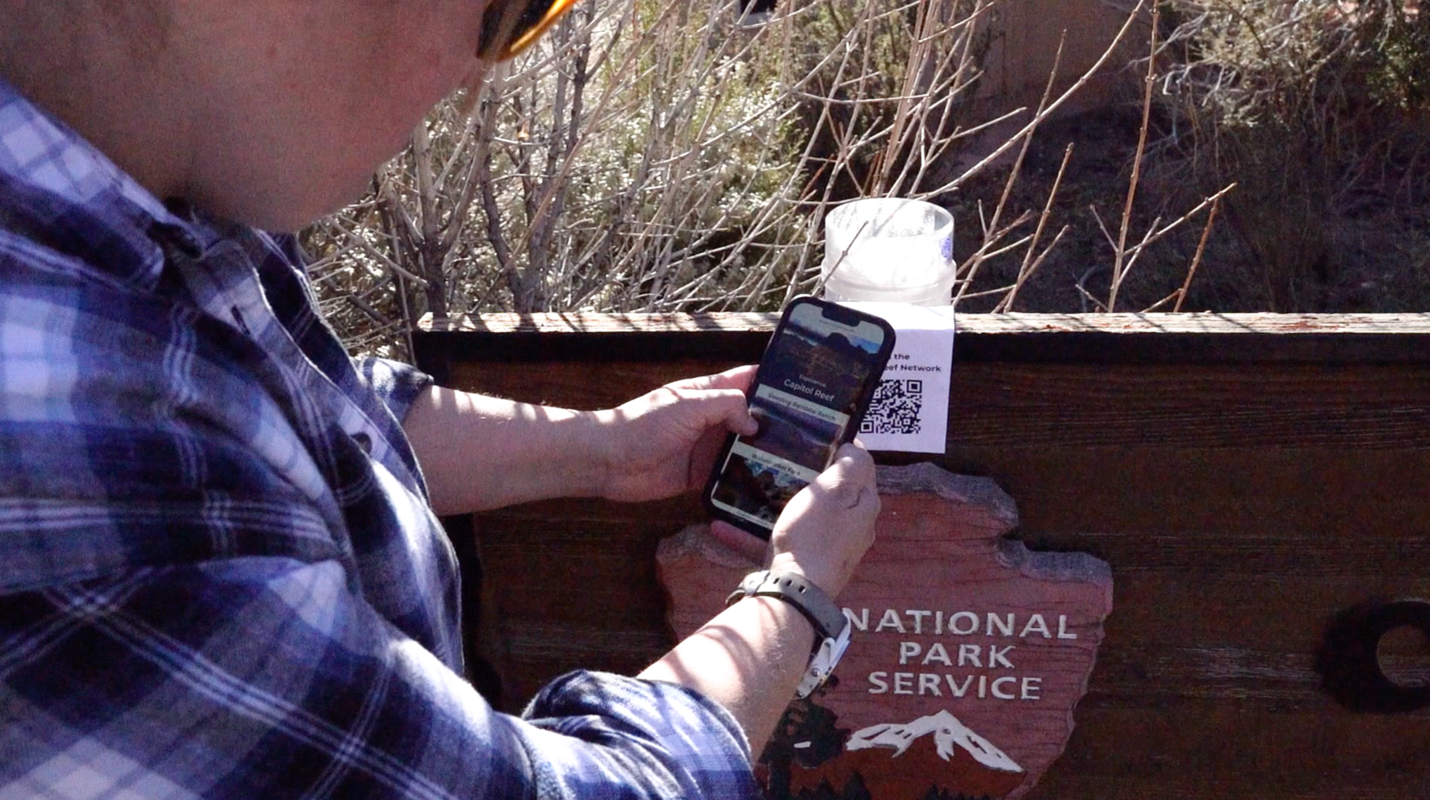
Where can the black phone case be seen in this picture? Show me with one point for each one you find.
(880, 361)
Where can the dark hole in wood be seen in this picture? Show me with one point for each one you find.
(1404, 656)
(1357, 648)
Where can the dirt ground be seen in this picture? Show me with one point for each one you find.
(1363, 245)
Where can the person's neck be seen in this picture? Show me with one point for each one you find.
(128, 108)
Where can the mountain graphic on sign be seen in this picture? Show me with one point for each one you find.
(892, 761)
(947, 731)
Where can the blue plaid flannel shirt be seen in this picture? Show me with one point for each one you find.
(219, 575)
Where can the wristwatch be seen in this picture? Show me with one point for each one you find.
(831, 626)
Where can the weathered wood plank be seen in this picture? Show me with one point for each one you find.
(1222, 751)
(1018, 405)
(1011, 338)
(1272, 677)
(1334, 495)
(1335, 401)
(1246, 477)
(1011, 405)
(1178, 635)
(973, 324)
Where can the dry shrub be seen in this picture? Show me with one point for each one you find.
(659, 155)
(652, 156)
(1318, 111)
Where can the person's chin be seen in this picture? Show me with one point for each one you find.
(278, 218)
(351, 191)
(290, 213)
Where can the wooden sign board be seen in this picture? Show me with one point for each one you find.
(968, 656)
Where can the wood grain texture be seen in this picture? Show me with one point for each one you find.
(1007, 338)
(992, 324)
(1243, 490)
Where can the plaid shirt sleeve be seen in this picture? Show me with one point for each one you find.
(395, 383)
(218, 573)
(268, 678)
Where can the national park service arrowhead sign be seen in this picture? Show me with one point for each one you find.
(969, 652)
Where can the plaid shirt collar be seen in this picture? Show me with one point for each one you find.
(75, 199)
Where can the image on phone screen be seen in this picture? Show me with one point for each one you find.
(807, 392)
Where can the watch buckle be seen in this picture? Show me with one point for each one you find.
(821, 666)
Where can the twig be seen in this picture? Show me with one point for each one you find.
(978, 258)
(1025, 274)
(1086, 295)
(1149, 81)
(1197, 258)
(1025, 271)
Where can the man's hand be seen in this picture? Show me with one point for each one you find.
(750, 657)
(825, 529)
(665, 442)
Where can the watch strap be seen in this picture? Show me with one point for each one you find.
(822, 612)
(831, 626)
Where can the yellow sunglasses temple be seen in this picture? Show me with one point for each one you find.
(553, 13)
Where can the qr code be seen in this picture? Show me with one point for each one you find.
(895, 408)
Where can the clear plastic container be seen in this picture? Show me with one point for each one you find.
(889, 250)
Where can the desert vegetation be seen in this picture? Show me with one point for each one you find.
(660, 155)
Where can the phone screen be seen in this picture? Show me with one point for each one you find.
(811, 381)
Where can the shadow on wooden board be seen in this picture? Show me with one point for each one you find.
(1250, 480)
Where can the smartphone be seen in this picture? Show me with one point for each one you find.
(810, 392)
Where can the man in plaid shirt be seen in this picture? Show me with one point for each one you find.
(221, 573)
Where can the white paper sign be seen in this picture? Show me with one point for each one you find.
(910, 409)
